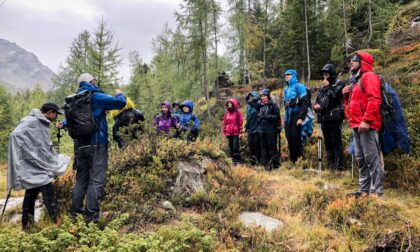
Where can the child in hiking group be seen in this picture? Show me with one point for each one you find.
(268, 117)
(232, 128)
(188, 123)
(165, 120)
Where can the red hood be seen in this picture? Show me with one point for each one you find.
(234, 102)
(367, 62)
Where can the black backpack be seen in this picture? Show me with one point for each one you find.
(79, 116)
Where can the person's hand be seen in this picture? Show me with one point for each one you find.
(325, 83)
(346, 89)
(118, 91)
(317, 106)
(178, 125)
(59, 125)
(299, 122)
(364, 127)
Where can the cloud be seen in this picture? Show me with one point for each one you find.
(47, 27)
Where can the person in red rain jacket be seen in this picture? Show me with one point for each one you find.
(232, 128)
(362, 100)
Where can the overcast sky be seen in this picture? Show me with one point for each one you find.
(47, 27)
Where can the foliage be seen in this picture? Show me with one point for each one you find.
(78, 236)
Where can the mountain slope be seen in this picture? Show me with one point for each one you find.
(20, 69)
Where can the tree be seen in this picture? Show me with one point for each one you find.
(6, 122)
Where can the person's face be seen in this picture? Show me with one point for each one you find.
(186, 109)
(326, 75)
(230, 105)
(176, 107)
(51, 115)
(93, 82)
(264, 98)
(164, 109)
(287, 77)
(354, 65)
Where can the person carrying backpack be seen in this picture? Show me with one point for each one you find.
(165, 121)
(126, 117)
(363, 101)
(188, 122)
(176, 107)
(91, 151)
(251, 128)
(232, 128)
(268, 122)
(296, 102)
(33, 162)
(329, 107)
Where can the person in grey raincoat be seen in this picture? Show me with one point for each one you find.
(33, 162)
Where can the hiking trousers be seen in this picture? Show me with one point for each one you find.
(269, 154)
(368, 154)
(50, 202)
(294, 138)
(331, 130)
(91, 166)
(254, 148)
(234, 148)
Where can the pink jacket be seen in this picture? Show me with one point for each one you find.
(233, 120)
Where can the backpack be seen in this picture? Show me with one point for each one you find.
(130, 116)
(394, 132)
(79, 116)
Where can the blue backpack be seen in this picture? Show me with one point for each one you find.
(394, 132)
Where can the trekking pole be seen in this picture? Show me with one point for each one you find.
(319, 147)
(352, 167)
(58, 140)
(5, 204)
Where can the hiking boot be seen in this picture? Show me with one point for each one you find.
(359, 194)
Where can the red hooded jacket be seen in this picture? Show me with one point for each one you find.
(364, 105)
(233, 120)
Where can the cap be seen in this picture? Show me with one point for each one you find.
(356, 58)
(51, 106)
(265, 91)
(85, 77)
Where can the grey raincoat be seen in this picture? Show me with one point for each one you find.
(32, 160)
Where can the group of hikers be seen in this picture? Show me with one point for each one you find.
(33, 162)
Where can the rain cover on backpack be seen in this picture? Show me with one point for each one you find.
(78, 113)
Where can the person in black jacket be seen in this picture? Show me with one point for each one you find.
(251, 128)
(329, 107)
(268, 122)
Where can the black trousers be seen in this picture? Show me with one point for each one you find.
(91, 166)
(254, 148)
(294, 138)
(331, 130)
(268, 148)
(234, 148)
(50, 202)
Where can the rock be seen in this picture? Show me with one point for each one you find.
(331, 187)
(190, 177)
(354, 221)
(168, 205)
(311, 170)
(15, 203)
(251, 219)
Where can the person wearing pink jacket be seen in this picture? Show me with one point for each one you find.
(232, 128)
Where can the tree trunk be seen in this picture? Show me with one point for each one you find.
(307, 44)
(264, 38)
(345, 29)
(217, 87)
(370, 24)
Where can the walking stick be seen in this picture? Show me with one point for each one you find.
(352, 167)
(5, 204)
(319, 146)
(58, 137)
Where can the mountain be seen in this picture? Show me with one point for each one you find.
(20, 69)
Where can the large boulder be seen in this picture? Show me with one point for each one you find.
(190, 177)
